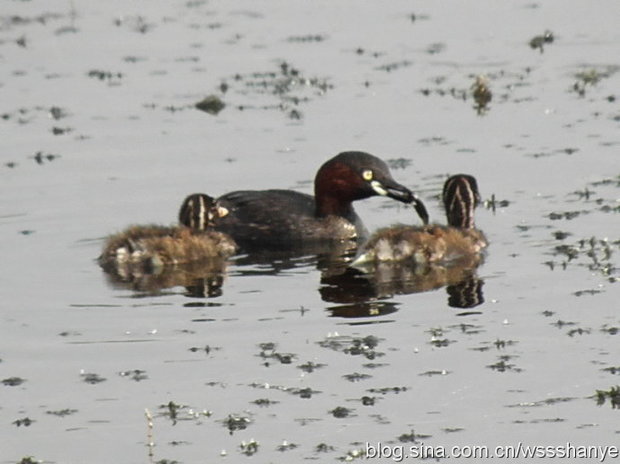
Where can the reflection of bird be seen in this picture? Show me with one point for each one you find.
(288, 219)
(433, 243)
(200, 278)
(387, 279)
(145, 249)
(466, 294)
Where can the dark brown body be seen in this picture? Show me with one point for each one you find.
(281, 219)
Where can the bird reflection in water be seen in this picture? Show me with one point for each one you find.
(201, 279)
(360, 293)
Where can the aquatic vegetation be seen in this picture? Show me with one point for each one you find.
(482, 94)
(389, 67)
(286, 446)
(268, 351)
(368, 400)
(435, 48)
(181, 412)
(323, 448)
(57, 112)
(413, 17)
(136, 23)
(509, 86)
(399, 163)
(560, 235)
(356, 377)
(502, 365)
(470, 329)
(440, 342)
(354, 346)
(538, 42)
(235, 422)
(412, 437)
(310, 366)
(304, 393)
(92, 378)
(211, 104)
(610, 330)
(306, 38)
(207, 349)
(61, 130)
(501, 344)
(560, 323)
(568, 215)
(23, 116)
(62, 412)
(595, 254)
(15, 20)
(434, 373)
(353, 455)
(545, 402)
(150, 441)
(578, 331)
(29, 460)
(612, 395)
(134, 374)
(249, 448)
(386, 390)
(24, 421)
(263, 402)
(437, 337)
(112, 78)
(373, 365)
(340, 412)
(288, 85)
(171, 410)
(40, 157)
(591, 77)
(13, 381)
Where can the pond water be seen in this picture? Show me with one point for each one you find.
(291, 358)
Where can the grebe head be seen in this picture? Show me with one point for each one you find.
(355, 175)
(200, 211)
(460, 198)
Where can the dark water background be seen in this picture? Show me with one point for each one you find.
(99, 130)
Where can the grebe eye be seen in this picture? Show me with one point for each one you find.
(367, 175)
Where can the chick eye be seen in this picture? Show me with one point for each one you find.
(367, 174)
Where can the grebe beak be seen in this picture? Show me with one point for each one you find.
(403, 194)
(420, 209)
(221, 211)
(389, 188)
